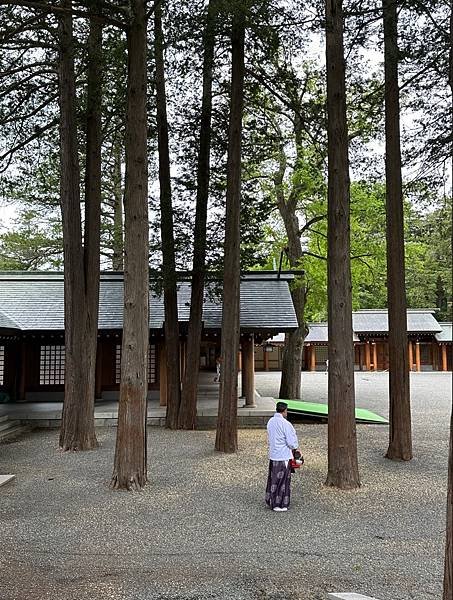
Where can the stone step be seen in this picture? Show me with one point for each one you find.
(349, 596)
(8, 424)
(13, 432)
(6, 479)
(3, 418)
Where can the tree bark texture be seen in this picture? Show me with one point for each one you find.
(188, 408)
(167, 234)
(117, 259)
(400, 441)
(448, 567)
(342, 439)
(226, 435)
(81, 273)
(130, 471)
(290, 384)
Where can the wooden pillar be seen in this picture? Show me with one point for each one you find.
(98, 371)
(265, 359)
(23, 369)
(444, 357)
(162, 375)
(248, 368)
(434, 356)
(367, 356)
(240, 360)
(417, 356)
(312, 358)
(374, 356)
(411, 355)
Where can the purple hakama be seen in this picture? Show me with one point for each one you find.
(278, 484)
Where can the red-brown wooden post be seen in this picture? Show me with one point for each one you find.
(375, 365)
(367, 356)
(248, 389)
(444, 357)
(411, 355)
(312, 358)
(417, 356)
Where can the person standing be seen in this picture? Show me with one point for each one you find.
(282, 439)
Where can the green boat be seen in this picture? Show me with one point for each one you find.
(317, 410)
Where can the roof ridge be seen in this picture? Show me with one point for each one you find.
(5, 314)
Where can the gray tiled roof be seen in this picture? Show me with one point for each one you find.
(318, 333)
(34, 301)
(6, 322)
(446, 334)
(376, 321)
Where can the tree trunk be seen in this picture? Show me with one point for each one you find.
(81, 274)
(167, 234)
(400, 442)
(117, 259)
(342, 439)
(290, 383)
(226, 436)
(448, 567)
(130, 453)
(188, 409)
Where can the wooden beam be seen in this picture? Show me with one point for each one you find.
(375, 366)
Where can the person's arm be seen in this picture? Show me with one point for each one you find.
(291, 437)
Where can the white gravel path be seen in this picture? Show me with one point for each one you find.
(200, 529)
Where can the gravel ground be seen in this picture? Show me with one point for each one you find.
(200, 529)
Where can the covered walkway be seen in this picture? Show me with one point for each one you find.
(48, 414)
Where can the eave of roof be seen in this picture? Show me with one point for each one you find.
(35, 302)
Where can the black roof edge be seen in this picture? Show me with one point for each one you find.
(181, 275)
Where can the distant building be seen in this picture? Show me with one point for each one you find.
(32, 351)
(429, 343)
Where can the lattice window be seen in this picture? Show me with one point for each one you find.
(118, 363)
(321, 354)
(2, 364)
(152, 363)
(52, 365)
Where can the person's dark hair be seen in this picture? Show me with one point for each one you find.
(281, 407)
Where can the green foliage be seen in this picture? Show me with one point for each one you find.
(33, 244)
(428, 254)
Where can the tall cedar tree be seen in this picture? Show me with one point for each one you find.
(290, 383)
(226, 435)
(81, 258)
(167, 234)
(188, 409)
(117, 201)
(130, 453)
(400, 442)
(343, 469)
(448, 568)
